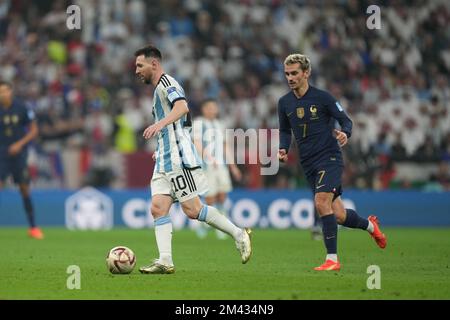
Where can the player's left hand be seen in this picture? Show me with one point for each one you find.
(14, 149)
(341, 137)
(152, 130)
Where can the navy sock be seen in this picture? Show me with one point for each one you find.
(29, 210)
(354, 221)
(329, 228)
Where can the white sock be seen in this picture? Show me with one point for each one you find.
(370, 227)
(214, 218)
(332, 257)
(163, 233)
(220, 207)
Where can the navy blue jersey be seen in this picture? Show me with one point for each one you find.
(14, 122)
(311, 119)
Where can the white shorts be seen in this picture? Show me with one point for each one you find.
(181, 184)
(218, 179)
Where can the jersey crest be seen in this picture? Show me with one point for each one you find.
(313, 110)
(300, 112)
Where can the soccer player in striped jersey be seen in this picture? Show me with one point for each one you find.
(310, 113)
(209, 138)
(178, 174)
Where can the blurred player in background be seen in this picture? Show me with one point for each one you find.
(17, 128)
(209, 139)
(178, 175)
(307, 112)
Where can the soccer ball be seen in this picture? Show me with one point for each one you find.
(120, 260)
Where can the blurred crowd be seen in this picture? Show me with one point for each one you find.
(393, 82)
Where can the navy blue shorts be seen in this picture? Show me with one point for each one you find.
(326, 177)
(15, 166)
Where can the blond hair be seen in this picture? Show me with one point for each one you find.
(303, 60)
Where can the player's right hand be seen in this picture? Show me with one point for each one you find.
(282, 155)
(152, 130)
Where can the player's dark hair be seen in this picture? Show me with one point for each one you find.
(149, 51)
(6, 83)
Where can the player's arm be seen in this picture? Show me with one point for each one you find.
(203, 153)
(234, 169)
(197, 136)
(337, 112)
(180, 108)
(32, 133)
(285, 134)
(197, 139)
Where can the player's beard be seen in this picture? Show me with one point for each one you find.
(146, 79)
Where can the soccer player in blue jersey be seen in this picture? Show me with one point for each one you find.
(310, 113)
(17, 128)
(178, 175)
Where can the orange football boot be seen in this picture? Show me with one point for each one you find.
(35, 233)
(377, 235)
(329, 265)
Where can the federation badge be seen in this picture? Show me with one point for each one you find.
(313, 110)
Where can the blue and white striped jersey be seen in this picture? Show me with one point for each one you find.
(175, 148)
(211, 134)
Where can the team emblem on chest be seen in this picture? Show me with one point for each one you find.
(313, 110)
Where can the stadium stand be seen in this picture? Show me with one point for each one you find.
(394, 82)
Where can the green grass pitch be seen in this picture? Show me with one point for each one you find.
(415, 265)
